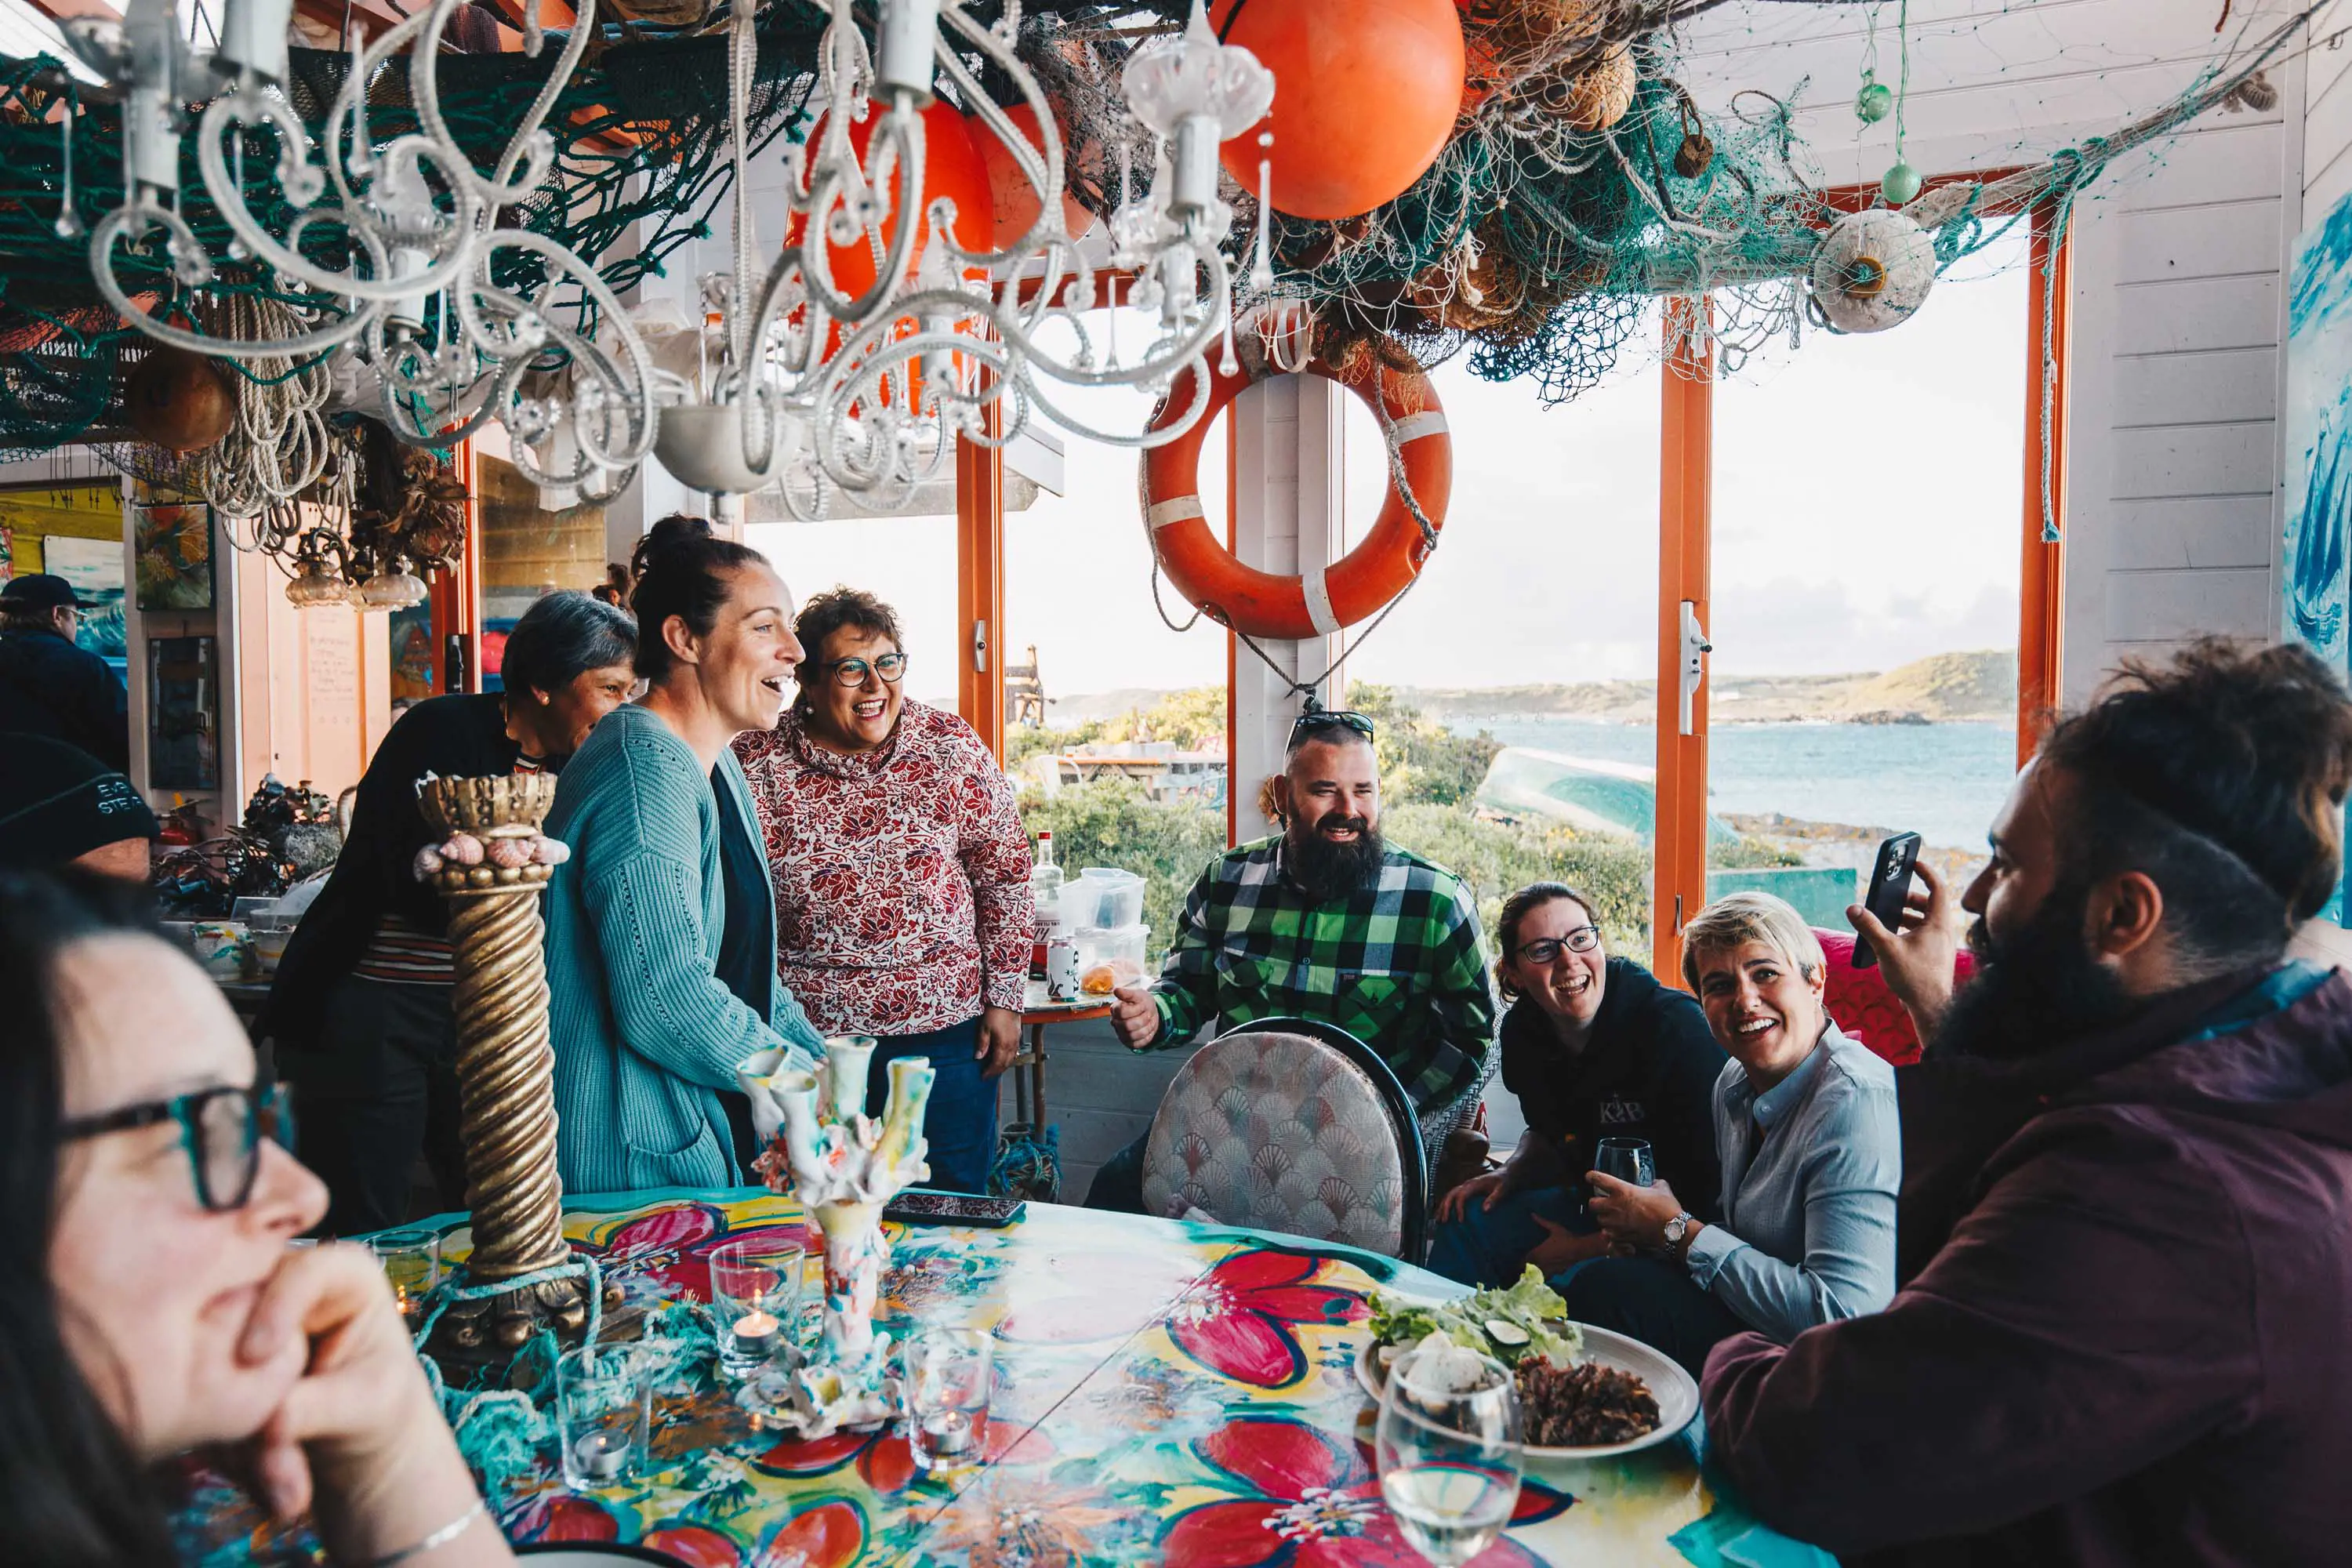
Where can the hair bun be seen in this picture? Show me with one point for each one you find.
(671, 532)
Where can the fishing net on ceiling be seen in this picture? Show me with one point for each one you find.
(641, 160)
(1580, 183)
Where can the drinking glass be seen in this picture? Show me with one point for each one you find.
(411, 1259)
(1627, 1159)
(1448, 1451)
(755, 1293)
(604, 1414)
(949, 1375)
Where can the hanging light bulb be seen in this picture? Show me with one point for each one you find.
(319, 576)
(392, 586)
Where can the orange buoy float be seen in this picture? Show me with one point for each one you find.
(1015, 205)
(951, 168)
(1365, 97)
(1358, 584)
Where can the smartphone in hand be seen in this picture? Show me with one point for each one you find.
(1890, 884)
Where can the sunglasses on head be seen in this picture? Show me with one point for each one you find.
(1315, 720)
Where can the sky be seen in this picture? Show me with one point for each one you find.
(1867, 497)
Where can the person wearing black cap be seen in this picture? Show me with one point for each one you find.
(61, 807)
(50, 686)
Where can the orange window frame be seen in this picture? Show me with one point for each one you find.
(1686, 498)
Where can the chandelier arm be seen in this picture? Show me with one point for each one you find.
(633, 388)
(1153, 435)
(102, 237)
(1046, 172)
(380, 288)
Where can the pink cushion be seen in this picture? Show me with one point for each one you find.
(1863, 1007)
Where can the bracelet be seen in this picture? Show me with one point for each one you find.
(439, 1539)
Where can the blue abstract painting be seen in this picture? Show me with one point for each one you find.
(2316, 582)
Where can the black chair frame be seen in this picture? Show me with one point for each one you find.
(1413, 1232)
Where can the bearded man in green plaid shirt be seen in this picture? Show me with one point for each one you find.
(1326, 922)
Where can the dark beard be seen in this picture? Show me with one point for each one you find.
(1327, 872)
(2035, 990)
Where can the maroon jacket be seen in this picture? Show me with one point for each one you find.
(2135, 1348)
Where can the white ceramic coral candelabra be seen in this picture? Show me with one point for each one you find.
(843, 1166)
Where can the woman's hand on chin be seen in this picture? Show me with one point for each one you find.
(359, 1436)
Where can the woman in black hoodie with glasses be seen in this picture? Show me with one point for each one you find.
(1594, 1048)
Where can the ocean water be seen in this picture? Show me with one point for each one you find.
(1944, 782)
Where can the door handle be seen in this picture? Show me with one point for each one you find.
(1693, 665)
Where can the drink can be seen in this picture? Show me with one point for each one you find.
(1062, 969)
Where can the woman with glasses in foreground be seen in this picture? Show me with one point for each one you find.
(1594, 1048)
(152, 1305)
(901, 874)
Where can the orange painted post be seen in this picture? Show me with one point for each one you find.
(2042, 582)
(456, 596)
(979, 585)
(1686, 487)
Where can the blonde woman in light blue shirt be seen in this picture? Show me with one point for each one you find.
(1812, 1155)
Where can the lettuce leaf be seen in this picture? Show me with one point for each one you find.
(1529, 1305)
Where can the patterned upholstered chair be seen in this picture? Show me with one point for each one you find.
(1291, 1124)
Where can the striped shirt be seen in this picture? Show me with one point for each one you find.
(1401, 965)
(405, 954)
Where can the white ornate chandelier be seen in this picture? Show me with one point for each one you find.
(815, 387)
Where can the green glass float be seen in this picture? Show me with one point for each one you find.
(1875, 102)
(1899, 185)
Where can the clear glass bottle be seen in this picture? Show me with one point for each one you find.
(1046, 897)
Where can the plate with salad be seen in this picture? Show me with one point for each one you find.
(1584, 1392)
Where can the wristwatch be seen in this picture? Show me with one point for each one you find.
(1678, 1226)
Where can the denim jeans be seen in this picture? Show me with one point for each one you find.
(1490, 1246)
(960, 1119)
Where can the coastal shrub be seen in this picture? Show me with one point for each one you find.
(1422, 760)
(1497, 861)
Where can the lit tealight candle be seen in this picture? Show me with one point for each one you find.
(602, 1455)
(756, 1333)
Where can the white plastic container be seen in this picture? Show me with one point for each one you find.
(1109, 959)
(1107, 899)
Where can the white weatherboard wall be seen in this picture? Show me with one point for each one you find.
(2178, 304)
(2327, 113)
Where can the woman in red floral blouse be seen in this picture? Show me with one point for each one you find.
(901, 871)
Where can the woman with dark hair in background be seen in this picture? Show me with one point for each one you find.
(661, 928)
(360, 1010)
(152, 1305)
(902, 875)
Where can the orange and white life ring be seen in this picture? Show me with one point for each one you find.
(1360, 583)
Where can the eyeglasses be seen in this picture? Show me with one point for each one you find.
(1544, 949)
(890, 667)
(1316, 719)
(222, 1130)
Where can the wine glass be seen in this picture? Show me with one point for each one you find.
(1448, 1448)
(1627, 1159)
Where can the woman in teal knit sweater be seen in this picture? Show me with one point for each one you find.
(661, 930)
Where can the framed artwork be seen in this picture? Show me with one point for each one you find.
(416, 673)
(174, 548)
(183, 713)
(2316, 584)
(94, 567)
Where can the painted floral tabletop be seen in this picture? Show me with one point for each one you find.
(1165, 1393)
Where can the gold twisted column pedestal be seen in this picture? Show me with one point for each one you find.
(505, 1071)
